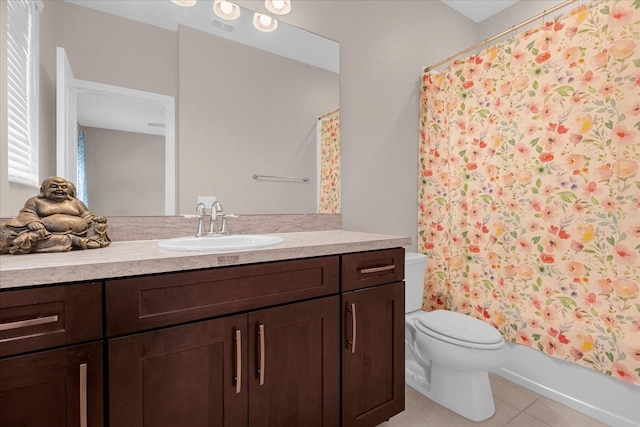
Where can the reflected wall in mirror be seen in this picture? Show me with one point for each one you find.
(240, 110)
(95, 124)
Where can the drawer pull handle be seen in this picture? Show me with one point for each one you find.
(83, 395)
(353, 327)
(377, 269)
(262, 355)
(29, 322)
(238, 373)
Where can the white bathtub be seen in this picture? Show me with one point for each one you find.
(599, 396)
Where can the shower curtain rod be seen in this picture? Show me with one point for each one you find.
(489, 40)
(328, 114)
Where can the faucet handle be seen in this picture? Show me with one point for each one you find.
(224, 229)
(200, 209)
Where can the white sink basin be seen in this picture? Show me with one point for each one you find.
(220, 243)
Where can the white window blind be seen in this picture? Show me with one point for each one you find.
(22, 95)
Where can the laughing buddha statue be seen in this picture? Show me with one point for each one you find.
(54, 221)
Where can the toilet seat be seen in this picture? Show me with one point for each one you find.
(459, 329)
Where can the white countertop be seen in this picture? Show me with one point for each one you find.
(122, 259)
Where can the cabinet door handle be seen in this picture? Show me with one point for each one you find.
(238, 372)
(377, 269)
(29, 322)
(261, 362)
(352, 342)
(83, 395)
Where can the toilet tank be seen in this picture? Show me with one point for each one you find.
(414, 265)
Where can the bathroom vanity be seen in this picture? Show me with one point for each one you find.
(307, 333)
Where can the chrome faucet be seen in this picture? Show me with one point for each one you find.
(214, 229)
(216, 210)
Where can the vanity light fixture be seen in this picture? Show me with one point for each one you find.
(279, 7)
(226, 10)
(264, 23)
(184, 3)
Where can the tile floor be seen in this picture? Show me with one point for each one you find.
(516, 406)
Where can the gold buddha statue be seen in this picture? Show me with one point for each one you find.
(54, 221)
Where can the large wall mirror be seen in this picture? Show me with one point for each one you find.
(247, 104)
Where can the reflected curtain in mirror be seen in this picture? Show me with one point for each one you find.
(81, 185)
(329, 162)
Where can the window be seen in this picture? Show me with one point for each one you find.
(22, 90)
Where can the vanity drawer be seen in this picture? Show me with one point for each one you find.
(140, 303)
(39, 318)
(364, 269)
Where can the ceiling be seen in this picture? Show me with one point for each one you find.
(479, 10)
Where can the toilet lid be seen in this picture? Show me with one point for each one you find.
(458, 326)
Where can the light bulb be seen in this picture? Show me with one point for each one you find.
(265, 20)
(278, 7)
(264, 23)
(184, 3)
(226, 10)
(226, 7)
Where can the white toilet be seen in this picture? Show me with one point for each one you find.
(448, 354)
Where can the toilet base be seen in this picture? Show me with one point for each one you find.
(465, 393)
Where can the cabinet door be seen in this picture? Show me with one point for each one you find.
(190, 375)
(373, 355)
(294, 365)
(57, 388)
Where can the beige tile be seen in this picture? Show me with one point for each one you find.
(517, 407)
(524, 420)
(420, 411)
(511, 393)
(504, 413)
(557, 415)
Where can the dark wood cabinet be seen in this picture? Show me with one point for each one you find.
(191, 361)
(51, 362)
(373, 338)
(190, 375)
(295, 346)
(55, 388)
(313, 342)
(274, 367)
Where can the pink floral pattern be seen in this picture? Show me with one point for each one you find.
(330, 164)
(530, 187)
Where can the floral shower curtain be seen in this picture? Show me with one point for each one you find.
(329, 154)
(530, 187)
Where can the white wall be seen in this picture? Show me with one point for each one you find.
(124, 185)
(252, 113)
(520, 12)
